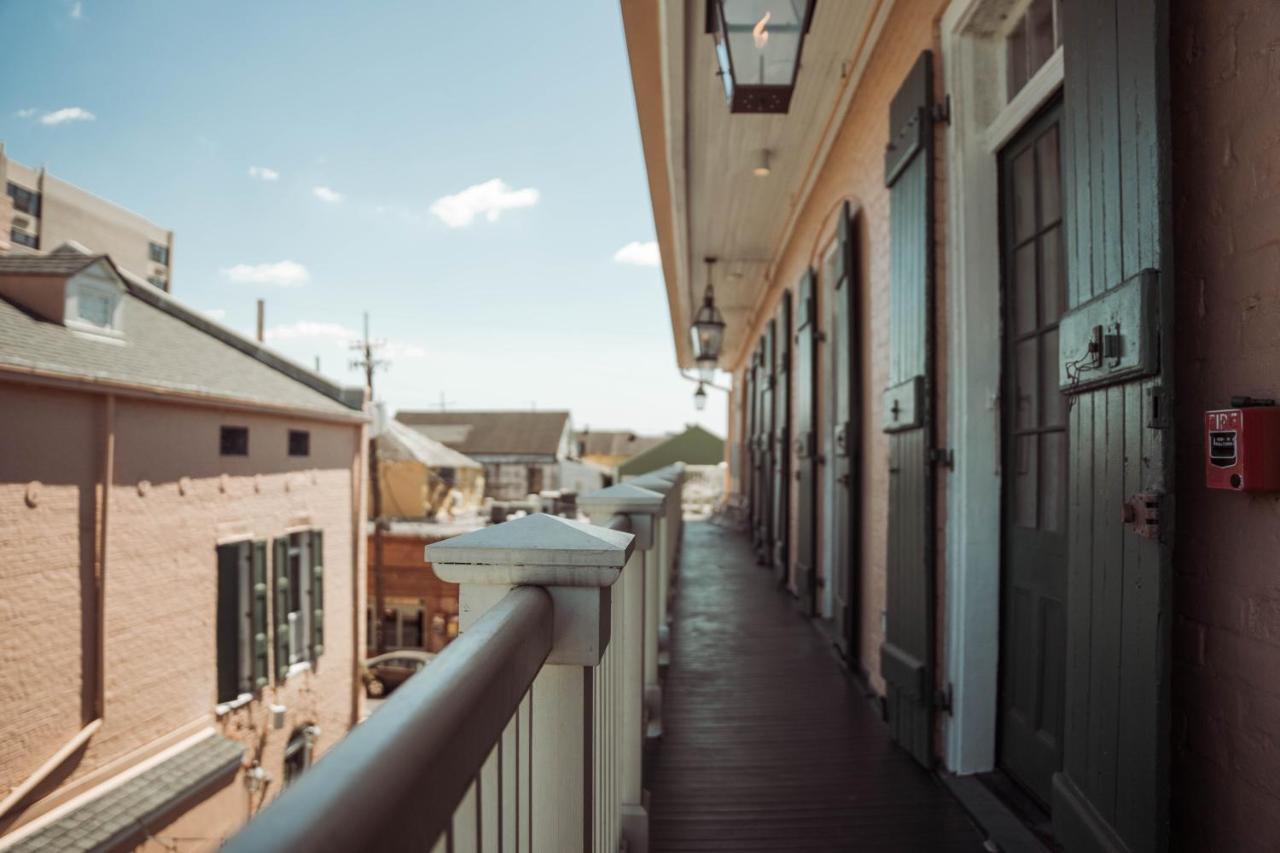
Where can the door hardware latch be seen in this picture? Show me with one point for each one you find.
(1141, 514)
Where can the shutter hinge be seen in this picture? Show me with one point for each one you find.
(942, 698)
(942, 110)
(943, 456)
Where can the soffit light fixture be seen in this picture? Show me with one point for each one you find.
(758, 46)
(708, 331)
(761, 168)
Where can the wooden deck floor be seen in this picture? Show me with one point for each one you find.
(768, 745)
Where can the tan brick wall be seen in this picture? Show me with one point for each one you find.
(1225, 60)
(173, 499)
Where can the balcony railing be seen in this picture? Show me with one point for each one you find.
(527, 732)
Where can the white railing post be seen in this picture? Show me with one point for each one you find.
(663, 481)
(641, 506)
(562, 752)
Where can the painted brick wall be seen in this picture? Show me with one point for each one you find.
(174, 498)
(1225, 60)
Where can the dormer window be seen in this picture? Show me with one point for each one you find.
(95, 305)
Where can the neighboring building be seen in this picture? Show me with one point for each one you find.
(181, 563)
(420, 611)
(523, 452)
(420, 478)
(695, 446)
(981, 283)
(40, 212)
(609, 449)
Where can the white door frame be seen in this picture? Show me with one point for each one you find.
(981, 122)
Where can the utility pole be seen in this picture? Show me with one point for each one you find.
(367, 359)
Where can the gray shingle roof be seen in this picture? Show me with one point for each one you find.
(124, 815)
(166, 346)
(533, 433)
(59, 263)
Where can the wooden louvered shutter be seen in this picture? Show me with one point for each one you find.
(782, 437)
(280, 580)
(805, 442)
(847, 522)
(317, 594)
(906, 657)
(231, 681)
(765, 555)
(1113, 791)
(259, 629)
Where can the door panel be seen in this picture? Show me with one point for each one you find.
(847, 442)
(782, 438)
(805, 444)
(907, 656)
(1113, 790)
(1034, 441)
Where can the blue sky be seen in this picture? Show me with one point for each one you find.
(467, 172)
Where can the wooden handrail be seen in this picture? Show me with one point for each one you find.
(394, 782)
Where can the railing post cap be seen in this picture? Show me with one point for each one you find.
(653, 481)
(537, 549)
(626, 498)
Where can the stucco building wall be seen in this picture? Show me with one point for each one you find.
(1226, 633)
(174, 498)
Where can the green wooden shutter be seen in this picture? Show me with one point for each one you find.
(847, 526)
(280, 578)
(805, 441)
(317, 594)
(228, 623)
(907, 654)
(782, 439)
(1113, 791)
(259, 628)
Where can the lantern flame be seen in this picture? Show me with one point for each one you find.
(759, 33)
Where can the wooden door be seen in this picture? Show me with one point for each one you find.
(764, 556)
(749, 445)
(1033, 577)
(782, 439)
(847, 442)
(759, 501)
(906, 658)
(1113, 791)
(804, 440)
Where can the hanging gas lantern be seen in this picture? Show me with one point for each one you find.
(758, 46)
(708, 332)
(700, 398)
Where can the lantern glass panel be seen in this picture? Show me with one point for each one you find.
(759, 43)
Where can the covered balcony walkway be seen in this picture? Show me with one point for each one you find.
(768, 744)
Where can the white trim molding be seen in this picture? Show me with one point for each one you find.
(981, 122)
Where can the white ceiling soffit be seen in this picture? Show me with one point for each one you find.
(720, 208)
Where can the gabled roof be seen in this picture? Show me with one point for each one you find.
(609, 443)
(530, 433)
(694, 446)
(401, 443)
(166, 347)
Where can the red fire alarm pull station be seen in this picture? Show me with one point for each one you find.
(1242, 446)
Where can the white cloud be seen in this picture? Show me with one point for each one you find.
(639, 254)
(263, 173)
(77, 10)
(27, 113)
(215, 313)
(67, 114)
(280, 273)
(327, 195)
(335, 332)
(399, 350)
(488, 199)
